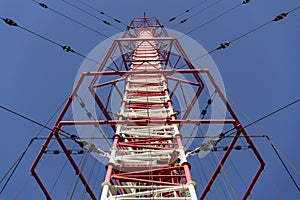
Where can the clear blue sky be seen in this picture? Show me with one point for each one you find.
(260, 72)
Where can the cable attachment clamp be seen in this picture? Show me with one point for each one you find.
(10, 22)
(280, 16)
(223, 45)
(67, 48)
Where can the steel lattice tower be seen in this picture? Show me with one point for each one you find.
(147, 159)
(147, 164)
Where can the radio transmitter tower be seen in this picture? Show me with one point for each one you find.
(148, 158)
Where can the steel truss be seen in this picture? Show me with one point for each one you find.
(147, 158)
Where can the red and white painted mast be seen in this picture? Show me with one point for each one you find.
(148, 159)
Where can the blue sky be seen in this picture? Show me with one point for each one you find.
(260, 72)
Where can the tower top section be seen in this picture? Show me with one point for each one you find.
(142, 24)
(145, 22)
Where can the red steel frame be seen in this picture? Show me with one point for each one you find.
(160, 177)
